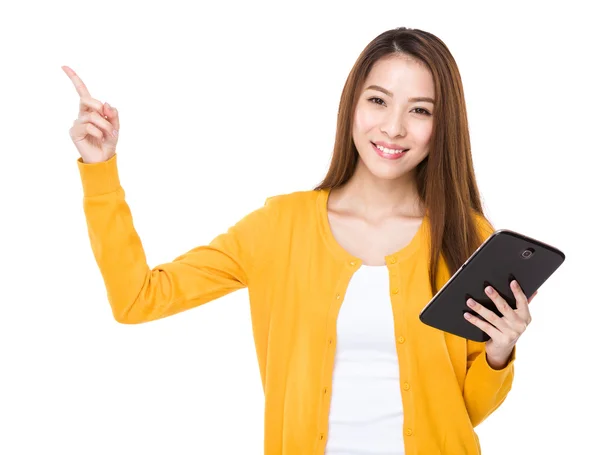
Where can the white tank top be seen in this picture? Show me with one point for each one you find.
(366, 414)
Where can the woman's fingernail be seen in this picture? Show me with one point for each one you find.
(115, 133)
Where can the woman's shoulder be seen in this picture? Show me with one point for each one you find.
(296, 210)
(484, 225)
(295, 201)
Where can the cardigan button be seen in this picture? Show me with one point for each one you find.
(401, 339)
(409, 432)
(395, 291)
(393, 260)
(406, 386)
(352, 263)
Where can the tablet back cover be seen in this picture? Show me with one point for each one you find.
(499, 260)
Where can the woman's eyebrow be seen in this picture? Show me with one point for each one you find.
(391, 95)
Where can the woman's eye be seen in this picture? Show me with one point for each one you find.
(376, 100)
(424, 111)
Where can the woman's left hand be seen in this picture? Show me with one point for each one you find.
(503, 331)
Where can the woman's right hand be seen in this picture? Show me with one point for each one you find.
(95, 131)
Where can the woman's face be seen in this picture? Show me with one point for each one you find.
(394, 118)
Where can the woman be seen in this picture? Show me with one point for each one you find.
(337, 275)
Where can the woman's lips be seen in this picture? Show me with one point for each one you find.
(389, 156)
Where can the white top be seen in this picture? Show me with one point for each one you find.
(366, 413)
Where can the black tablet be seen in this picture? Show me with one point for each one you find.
(505, 256)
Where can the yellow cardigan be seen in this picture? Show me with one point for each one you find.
(297, 274)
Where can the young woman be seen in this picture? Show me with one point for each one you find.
(337, 275)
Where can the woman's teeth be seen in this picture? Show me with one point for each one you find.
(389, 151)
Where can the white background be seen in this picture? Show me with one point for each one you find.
(223, 104)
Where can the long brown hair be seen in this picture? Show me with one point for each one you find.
(445, 178)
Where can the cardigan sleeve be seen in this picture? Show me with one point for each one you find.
(485, 388)
(138, 293)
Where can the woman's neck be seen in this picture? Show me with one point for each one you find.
(374, 198)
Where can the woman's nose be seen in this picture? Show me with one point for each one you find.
(393, 125)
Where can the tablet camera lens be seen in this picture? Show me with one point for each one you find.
(527, 253)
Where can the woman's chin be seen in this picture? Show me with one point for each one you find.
(385, 172)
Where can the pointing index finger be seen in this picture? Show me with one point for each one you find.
(79, 85)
